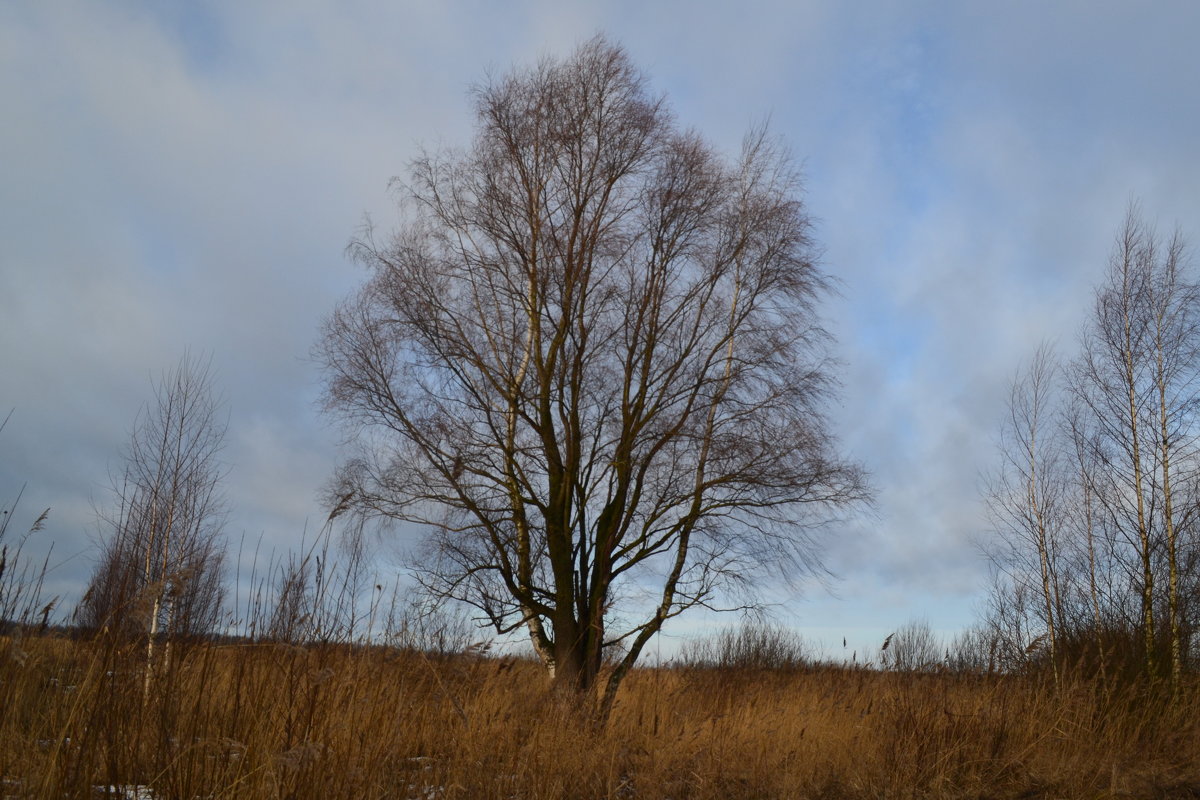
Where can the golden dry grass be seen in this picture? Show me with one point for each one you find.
(282, 721)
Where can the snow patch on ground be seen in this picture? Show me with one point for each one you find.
(124, 792)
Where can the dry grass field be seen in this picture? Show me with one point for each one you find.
(286, 721)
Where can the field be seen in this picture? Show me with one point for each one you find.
(79, 719)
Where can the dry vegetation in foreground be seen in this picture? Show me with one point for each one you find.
(281, 720)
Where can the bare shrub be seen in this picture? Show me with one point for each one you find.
(912, 648)
(751, 645)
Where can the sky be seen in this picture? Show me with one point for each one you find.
(181, 176)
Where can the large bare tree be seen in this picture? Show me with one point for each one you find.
(590, 361)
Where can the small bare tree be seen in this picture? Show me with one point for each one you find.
(1027, 496)
(1092, 543)
(1174, 308)
(160, 567)
(590, 363)
(913, 648)
(1113, 380)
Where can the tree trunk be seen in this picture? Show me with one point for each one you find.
(1143, 531)
(1168, 509)
(1043, 545)
(575, 669)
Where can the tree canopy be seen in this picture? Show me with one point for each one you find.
(590, 361)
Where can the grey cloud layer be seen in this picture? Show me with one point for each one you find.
(176, 180)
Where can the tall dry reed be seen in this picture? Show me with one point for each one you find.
(284, 720)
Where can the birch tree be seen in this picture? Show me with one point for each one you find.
(1174, 308)
(1120, 556)
(1027, 498)
(159, 572)
(590, 364)
(1114, 381)
(1138, 376)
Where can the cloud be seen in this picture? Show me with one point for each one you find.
(183, 176)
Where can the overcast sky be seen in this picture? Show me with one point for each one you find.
(178, 175)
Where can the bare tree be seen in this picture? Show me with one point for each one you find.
(1027, 496)
(1086, 526)
(160, 567)
(590, 361)
(1112, 381)
(914, 647)
(1174, 303)
(1137, 378)
(1103, 499)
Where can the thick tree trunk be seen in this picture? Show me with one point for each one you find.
(576, 663)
